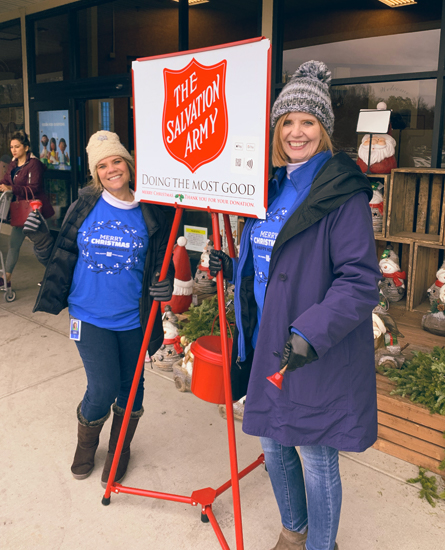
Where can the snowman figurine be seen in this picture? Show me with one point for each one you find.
(434, 290)
(182, 369)
(204, 282)
(376, 205)
(171, 349)
(392, 284)
(434, 321)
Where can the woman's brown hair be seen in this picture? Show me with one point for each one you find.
(279, 157)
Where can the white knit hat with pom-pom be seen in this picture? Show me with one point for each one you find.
(307, 92)
(104, 144)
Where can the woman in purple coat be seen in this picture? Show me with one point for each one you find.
(305, 287)
(24, 178)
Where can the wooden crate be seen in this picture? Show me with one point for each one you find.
(404, 249)
(427, 260)
(415, 208)
(384, 179)
(407, 430)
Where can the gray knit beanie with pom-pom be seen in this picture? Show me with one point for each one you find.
(307, 92)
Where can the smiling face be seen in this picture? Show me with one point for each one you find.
(300, 136)
(18, 150)
(114, 174)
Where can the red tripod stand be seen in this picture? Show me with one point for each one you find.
(203, 497)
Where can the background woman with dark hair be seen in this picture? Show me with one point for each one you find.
(23, 176)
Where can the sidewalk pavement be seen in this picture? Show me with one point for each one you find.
(180, 446)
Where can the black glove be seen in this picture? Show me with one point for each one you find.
(297, 353)
(36, 228)
(219, 260)
(161, 291)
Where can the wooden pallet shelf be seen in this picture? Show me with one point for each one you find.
(416, 205)
(407, 430)
(427, 260)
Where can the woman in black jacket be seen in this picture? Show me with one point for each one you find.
(105, 266)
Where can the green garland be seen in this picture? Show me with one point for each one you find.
(199, 320)
(422, 379)
(429, 489)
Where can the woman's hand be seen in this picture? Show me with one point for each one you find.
(297, 353)
(36, 229)
(4, 187)
(219, 260)
(161, 291)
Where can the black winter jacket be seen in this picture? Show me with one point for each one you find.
(61, 257)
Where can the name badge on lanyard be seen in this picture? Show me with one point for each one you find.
(75, 326)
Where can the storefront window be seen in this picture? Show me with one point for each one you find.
(223, 22)
(409, 53)
(52, 49)
(11, 120)
(11, 84)
(363, 38)
(115, 33)
(57, 191)
(412, 103)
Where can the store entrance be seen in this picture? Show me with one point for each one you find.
(60, 130)
(91, 115)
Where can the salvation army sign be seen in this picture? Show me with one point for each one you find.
(201, 128)
(195, 131)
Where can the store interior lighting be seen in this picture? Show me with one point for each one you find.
(395, 3)
(194, 2)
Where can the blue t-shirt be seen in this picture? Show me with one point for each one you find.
(291, 193)
(107, 282)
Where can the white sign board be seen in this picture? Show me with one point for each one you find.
(373, 121)
(202, 128)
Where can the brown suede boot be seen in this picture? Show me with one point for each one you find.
(291, 540)
(87, 442)
(114, 436)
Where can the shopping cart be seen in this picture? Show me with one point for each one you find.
(5, 201)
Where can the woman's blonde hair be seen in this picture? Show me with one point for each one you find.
(96, 184)
(279, 157)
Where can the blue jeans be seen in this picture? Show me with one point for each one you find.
(110, 359)
(312, 502)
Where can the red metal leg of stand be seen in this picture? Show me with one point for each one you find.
(141, 360)
(219, 534)
(229, 236)
(228, 394)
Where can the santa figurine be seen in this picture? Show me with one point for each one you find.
(383, 158)
(171, 349)
(376, 205)
(392, 285)
(434, 290)
(183, 284)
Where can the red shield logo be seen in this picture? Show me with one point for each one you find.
(195, 121)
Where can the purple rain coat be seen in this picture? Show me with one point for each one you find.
(322, 281)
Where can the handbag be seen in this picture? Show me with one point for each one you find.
(20, 209)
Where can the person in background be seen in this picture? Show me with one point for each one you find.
(4, 162)
(105, 266)
(305, 287)
(24, 178)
